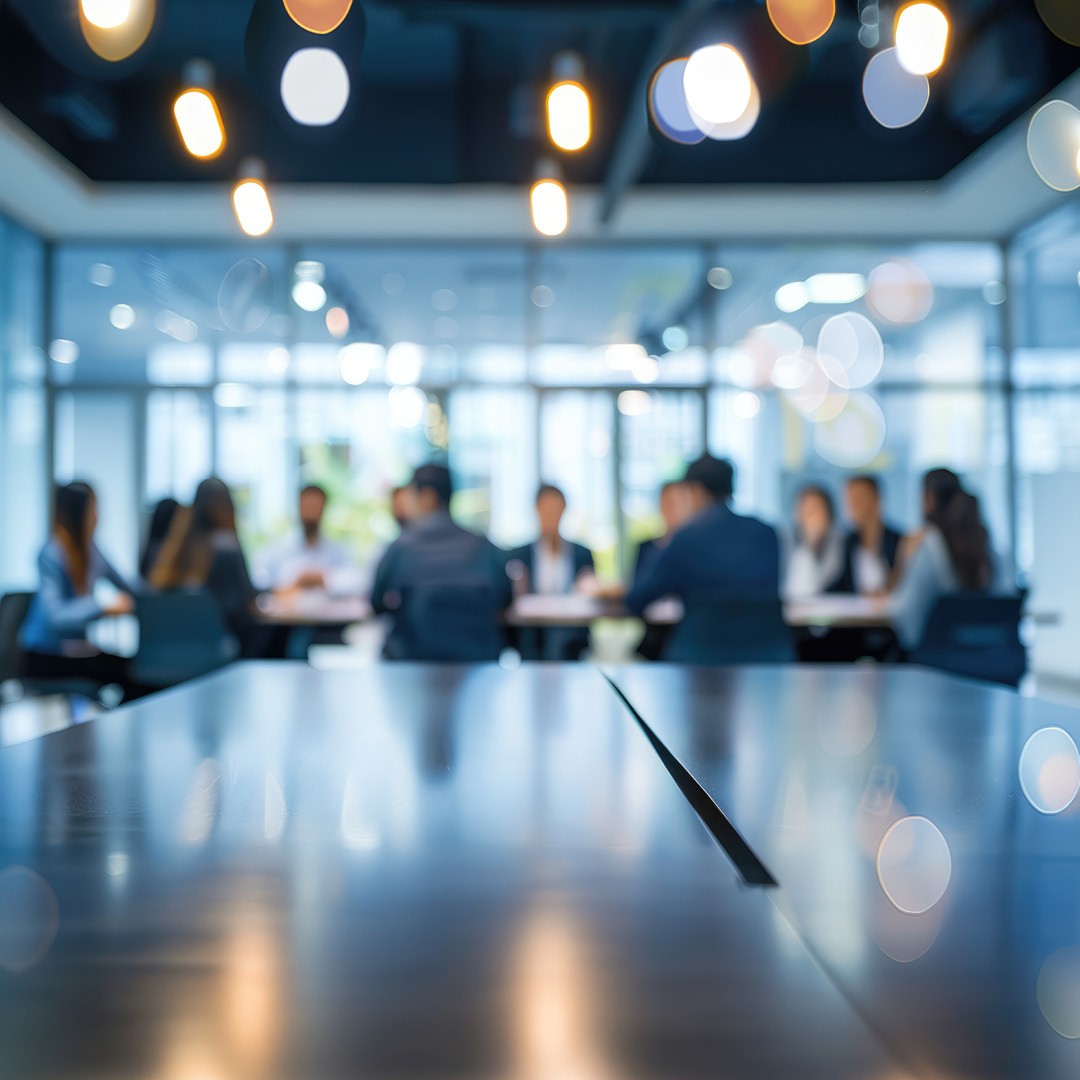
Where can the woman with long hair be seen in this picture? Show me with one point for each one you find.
(953, 555)
(160, 523)
(202, 551)
(53, 636)
(817, 560)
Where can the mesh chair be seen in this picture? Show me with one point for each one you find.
(976, 636)
(719, 630)
(181, 636)
(14, 607)
(448, 624)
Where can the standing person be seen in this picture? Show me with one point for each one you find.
(872, 547)
(552, 566)
(203, 552)
(718, 557)
(675, 510)
(307, 559)
(160, 522)
(818, 558)
(443, 586)
(953, 555)
(53, 635)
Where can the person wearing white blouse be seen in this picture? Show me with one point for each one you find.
(818, 557)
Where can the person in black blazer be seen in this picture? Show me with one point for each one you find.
(872, 547)
(551, 566)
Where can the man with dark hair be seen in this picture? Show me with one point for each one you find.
(307, 559)
(443, 585)
(552, 566)
(717, 557)
(872, 547)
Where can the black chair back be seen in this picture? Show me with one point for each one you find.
(14, 608)
(449, 624)
(720, 630)
(182, 635)
(977, 636)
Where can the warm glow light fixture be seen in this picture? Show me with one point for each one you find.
(115, 29)
(106, 14)
(569, 118)
(251, 202)
(199, 122)
(550, 210)
(318, 16)
(922, 34)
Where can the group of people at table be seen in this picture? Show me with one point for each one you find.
(706, 550)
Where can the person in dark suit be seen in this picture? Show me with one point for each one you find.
(202, 551)
(872, 547)
(718, 557)
(443, 586)
(674, 509)
(551, 566)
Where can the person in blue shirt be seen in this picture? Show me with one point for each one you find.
(718, 556)
(442, 585)
(53, 637)
(552, 566)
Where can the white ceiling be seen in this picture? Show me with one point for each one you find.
(991, 195)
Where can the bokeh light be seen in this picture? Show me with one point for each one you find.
(252, 206)
(1058, 991)
(847, 727)
(550, 208)
(246, 296)
(675, 338)
(102, 275)
(899, 292)
(278, 360)
(1050, 771)
(1062, 18)
(792, 297)
(404, 362)
(746, 405)
(922, 35)
(309, 295)
(894, 96)
(766, 345)
(542, 296)
(854, 436)
(115, 29)
(802, 21)
(174, 325)
(645, 369)
(850, 350)
(736, 129)
(914, 865)
(569, 121)
(315, 86)
(667, 105)
(623, 357)
(1053, 143)
(717, 85)
(634, 403)
(720, 278)
(122, 316)
(353, 362)
(199, 123)
(407, 406)
(444, 300)
(318, 16)
(29, 918)
(337, 322)
(63, 351)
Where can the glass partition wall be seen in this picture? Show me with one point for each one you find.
(601, 368)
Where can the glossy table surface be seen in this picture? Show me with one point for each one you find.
(404, 871)
(957, 936)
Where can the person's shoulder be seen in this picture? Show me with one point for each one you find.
(750, 524)
(52, 555)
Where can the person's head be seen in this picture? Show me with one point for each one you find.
(550, 507)
(968, 541)
(674, 505)
(161, 519)
(864, 502)
(431, 490)
(74, 521)
(212, 509)
(401, 505)
(940, 486)
(709, 480)
(814, 514)
(312, 506)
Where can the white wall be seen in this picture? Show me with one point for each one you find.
(1055, 573)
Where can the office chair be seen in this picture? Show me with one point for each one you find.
(449, 624)
(182, 635)
(720, 630)
(14, 607)
(976, 636)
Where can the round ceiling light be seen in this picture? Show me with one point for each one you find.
(717, 85)
(318, 16)
(114, 29)
(315, 87)
(106, 14)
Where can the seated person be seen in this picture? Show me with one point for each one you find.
(307, 560)
(872, 547)
(53, 636)
(952, 555)
(160, 522)
(552, 566)
(674, 509)
(203, 551)
(401, 506)
(717, 555)
(818, 557)
(435, 558)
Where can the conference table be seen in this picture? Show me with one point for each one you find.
(544, 873)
